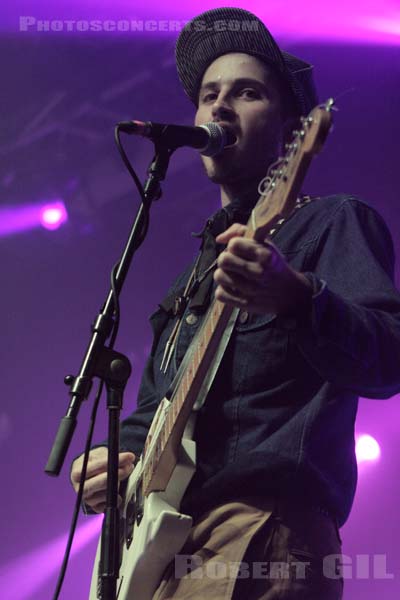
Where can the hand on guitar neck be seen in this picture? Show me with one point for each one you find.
(94, 491)
(256, 276)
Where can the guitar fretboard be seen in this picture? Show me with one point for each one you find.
(184, 396)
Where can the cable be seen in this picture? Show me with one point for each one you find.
(78, 502)
(145, 203)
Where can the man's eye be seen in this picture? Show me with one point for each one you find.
(249, 93)
(208, 97)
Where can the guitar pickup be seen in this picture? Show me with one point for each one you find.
(134, 514)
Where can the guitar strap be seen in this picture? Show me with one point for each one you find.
(197, 293)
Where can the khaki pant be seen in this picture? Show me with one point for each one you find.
(257, 550)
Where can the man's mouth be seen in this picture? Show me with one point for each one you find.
(232, 140)
(231, 134)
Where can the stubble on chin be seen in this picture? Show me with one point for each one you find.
(220, 173)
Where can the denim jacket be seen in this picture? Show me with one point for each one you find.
(279, 418)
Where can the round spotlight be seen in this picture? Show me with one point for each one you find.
(367, 449)
(53, 215)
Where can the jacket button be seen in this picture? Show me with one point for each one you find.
(243, 316)
(191, 319)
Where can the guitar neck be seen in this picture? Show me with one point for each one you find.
(160, 464)
(277, 202)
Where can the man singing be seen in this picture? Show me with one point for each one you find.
(319, 325)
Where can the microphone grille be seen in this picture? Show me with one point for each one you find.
(217, 140)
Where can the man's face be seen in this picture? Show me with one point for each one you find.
(239, 92)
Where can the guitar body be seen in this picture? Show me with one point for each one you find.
(152, 530)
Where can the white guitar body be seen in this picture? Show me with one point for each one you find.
(150, 541)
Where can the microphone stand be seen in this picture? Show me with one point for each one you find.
(114, 369)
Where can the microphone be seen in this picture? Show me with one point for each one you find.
(209, 139)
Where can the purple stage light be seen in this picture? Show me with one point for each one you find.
(367, 448)
(17, 219)
(25, 575)
(53, 215)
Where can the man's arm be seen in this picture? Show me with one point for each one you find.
(347, 323)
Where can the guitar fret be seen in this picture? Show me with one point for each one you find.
(207, 331)
(177, 399)
(205, 336)
(162, 439)
(184, 385)
(168, 422)
(158, 448)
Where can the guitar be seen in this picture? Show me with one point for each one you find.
(152, 529)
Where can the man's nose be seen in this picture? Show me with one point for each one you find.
(221, 110)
